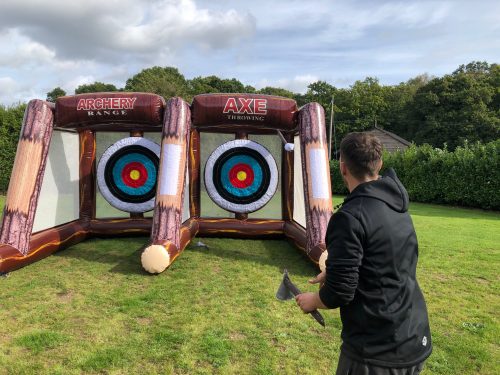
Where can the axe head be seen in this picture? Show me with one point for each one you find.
(284, 293)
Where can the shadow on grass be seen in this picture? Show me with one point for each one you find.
(131, 265)
(118, 252)
(124, 254)
(275, 253)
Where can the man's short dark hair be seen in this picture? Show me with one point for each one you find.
(361, 152)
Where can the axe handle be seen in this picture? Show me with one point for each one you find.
(318, 317)
(291, 286)
(295, 291)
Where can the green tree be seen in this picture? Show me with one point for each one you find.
(214, 84)
(277, 91)
(164, 81)
(55, 93)
(320, 92)
(356, 108)
(399, 100)
(494, 81)
(474, 67)
(457, 108)
(249, 89)
(95, 87)
(368, 103)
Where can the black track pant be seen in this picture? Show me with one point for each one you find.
(348, 366)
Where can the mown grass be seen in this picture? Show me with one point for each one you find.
(92, 309)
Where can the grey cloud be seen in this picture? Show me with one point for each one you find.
(105, 29)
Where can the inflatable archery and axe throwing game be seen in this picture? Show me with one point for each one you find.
(122, 164)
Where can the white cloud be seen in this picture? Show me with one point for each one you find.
(78, 81)
(297, 84)
(358, 21)
(12, 91)
(347, 20)
(8, 84)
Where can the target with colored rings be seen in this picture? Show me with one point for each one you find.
(127, 173)
(241, 176)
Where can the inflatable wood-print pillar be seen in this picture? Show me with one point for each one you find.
(87, 175)
(166, 230)
(316, 173)
(194, 174)
(27, 175)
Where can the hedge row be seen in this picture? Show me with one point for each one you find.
(11, 119)
(468, 176)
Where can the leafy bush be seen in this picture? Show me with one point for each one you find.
(338, 186)
(11, 119)
(468, 176)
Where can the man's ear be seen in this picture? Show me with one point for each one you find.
(343, 168)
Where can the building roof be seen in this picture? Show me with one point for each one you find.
(390, 141)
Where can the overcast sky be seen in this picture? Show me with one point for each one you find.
(50, 43)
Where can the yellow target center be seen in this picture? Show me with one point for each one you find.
(135, 174)
(241, 176)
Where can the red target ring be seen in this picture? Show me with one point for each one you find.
(134, 175)
(241, 175)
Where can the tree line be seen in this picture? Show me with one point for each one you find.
(450, 114)
(445, 112)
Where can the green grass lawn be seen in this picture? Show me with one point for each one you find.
(92, 309)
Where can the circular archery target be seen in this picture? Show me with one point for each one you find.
(241, 176)
(126, 174)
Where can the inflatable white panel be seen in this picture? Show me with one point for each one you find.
(60, 194)
(299, 206)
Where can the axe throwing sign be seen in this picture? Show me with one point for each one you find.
(241, 176)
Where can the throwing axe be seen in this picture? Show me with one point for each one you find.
(287, 290)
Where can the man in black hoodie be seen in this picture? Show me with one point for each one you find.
(371, 269)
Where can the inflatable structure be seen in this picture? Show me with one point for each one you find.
(121, 164)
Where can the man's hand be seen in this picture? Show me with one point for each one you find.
(320, 278)
(309, 302)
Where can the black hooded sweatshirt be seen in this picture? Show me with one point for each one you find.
(371, 276)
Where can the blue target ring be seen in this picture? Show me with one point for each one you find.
(146, 162)
(257, 171)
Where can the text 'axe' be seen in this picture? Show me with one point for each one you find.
(288, 290)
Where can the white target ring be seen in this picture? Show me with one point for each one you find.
(241, 176)
(127, 174)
